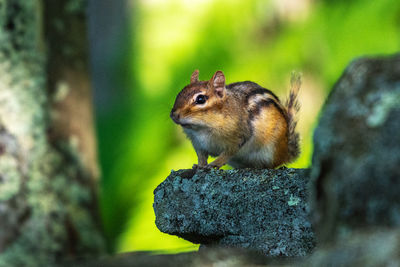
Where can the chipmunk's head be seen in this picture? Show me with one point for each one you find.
(198, 100)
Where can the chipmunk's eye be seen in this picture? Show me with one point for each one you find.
(201, 99)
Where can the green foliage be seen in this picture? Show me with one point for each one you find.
(248, 40)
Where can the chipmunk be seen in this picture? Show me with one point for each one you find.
(242, 123)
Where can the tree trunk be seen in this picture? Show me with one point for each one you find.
(48, 169)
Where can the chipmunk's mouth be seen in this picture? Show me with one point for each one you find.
(186, 123)
(181, 122)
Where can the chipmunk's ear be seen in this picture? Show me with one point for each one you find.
(195, 76)
(217, 82)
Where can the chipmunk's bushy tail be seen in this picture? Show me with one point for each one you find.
(292, 106)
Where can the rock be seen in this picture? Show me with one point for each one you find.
(262, 210)
(356, 174)
(206, 257)
(378, 247)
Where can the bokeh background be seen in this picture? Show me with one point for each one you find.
(144, 51)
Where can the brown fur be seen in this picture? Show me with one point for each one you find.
(293, 106)
(273, 128)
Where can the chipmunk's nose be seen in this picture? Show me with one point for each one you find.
(174, 116)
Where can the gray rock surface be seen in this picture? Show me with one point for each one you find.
(263, 210)
(231, 257)
(369, 248)
(356, 161)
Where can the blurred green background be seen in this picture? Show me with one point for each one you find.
(257, 40)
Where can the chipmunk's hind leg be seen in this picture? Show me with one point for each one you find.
(270, 135)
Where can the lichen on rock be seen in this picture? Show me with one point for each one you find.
(262, 210)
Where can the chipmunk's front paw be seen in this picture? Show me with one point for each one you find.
(212, 166)
(197, 166)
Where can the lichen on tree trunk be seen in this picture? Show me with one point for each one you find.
(48, 209)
